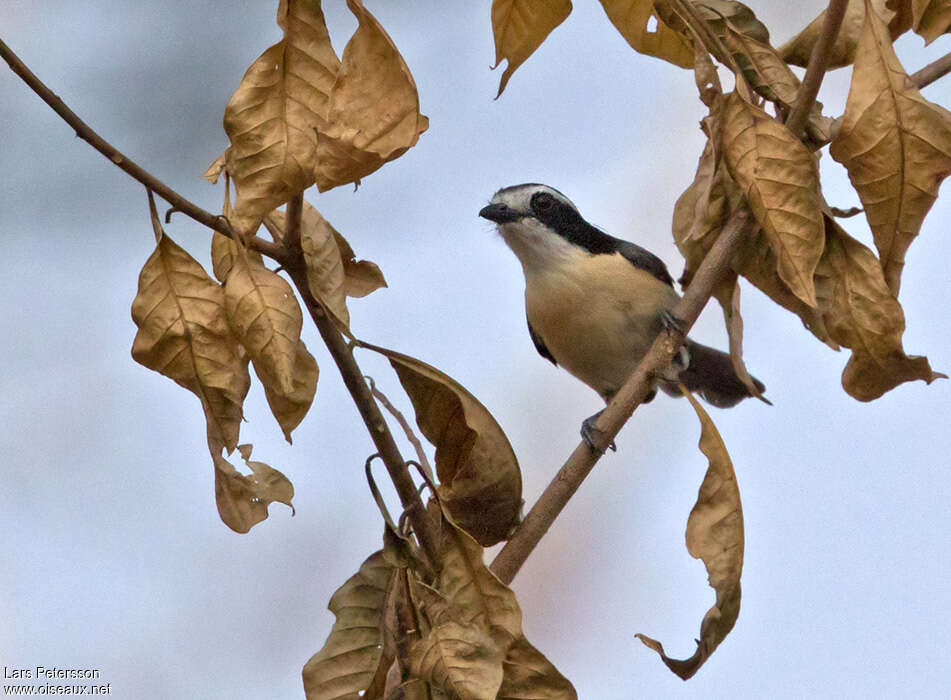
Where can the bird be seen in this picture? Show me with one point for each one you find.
(594, 303)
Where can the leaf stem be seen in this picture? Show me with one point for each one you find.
(85, 132)
(816, 69)
(359, 390)
(931, 72)
(632, 394)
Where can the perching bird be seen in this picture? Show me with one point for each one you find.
(595, 303)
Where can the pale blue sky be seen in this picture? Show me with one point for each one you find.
(114, 556)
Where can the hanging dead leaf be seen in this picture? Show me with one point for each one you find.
(520, 27)
(460, 658)
(273, 116)
(243, 499)
(727, 293)
(528, 675)
(480, 482)
(183, 333)
(779, 177)
(929, 18)
(361, 277)
(700, 214)
(374, 107)
(326, 269)
(862, 314)
(290, 409)
(896, 146)
(715, 535)
(479, 596)
(266, 319)
(213, 172)
(351, 658)
(633, 19)
(797, 50)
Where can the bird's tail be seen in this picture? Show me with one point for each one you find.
(710, 373)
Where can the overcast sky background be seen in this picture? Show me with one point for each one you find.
(114, 557)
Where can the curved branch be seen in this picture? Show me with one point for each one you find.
(619, 410)
(85, 132)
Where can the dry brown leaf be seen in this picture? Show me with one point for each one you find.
(779, 177)
(929, 18)
(213, 172)
(183, 333)
(700, 214)
(520, 27)
(361, 277)
(797, 50)
(374, 107)
(266, 319)
(272, 117)
(290, 409)
(715, 535)
(632, 19)
(528, 675)
(480, 482)
(896, 146)
(326, 274)
(727, 294)
(475, 592)
(350, 660)
(243, 499)
(862, 314)
(460, 658)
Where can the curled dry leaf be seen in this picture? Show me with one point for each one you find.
(360, 277)
(779, 177)
(520, 27)
(480, 482)
(929, 18)
(374, 107)
(528, 675)
(352, 658)
(213, 172)
(728, 296)
(632, 19)
(266, 319)
(273, 116)
(862, 314)
(243, 499)
(715, 535)
(797, 50)
(224, 251)
(896, 146)
(183, 333)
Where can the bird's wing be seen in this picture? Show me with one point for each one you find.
(540, 346)
(645, 260)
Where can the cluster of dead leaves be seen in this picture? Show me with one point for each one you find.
(403, 632)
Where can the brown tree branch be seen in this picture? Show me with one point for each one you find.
(85, 132)
(622, 406)
(357, 386)
(816, 69)
(931, 72)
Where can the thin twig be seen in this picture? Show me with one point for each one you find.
(376, 425)
(816, 69)
(931, 72)
(85, 132)
(629, 397)
(403, 423)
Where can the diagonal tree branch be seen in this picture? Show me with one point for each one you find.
(85, 132)
(932, 72)
(816, 69)
(534, 526)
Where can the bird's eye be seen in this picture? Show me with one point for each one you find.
(542, 202)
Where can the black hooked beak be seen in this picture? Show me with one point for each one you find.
(499, 213)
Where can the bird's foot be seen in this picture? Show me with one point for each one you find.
(594, 436)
